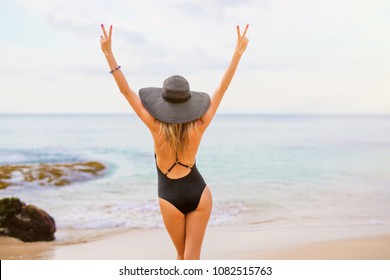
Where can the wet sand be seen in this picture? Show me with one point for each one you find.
(369, 242)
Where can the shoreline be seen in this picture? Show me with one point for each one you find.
(362, 242)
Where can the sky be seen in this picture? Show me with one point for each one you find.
(303, 57)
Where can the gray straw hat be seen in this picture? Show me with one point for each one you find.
(174, 102)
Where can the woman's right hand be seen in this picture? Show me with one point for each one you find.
(242, 41)
(105, 41)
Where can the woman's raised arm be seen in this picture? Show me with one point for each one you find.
(131, 96)
(242, 42)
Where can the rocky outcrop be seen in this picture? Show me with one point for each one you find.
(54, 174)
(25, 222)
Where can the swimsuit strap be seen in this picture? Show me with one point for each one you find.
(179, 163)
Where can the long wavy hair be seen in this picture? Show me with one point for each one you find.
(176, 135)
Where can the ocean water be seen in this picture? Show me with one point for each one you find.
(264, 171)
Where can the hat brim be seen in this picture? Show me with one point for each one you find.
(169, 112)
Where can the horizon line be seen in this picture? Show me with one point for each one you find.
(222, 113)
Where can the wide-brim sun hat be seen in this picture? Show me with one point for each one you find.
(174, 102)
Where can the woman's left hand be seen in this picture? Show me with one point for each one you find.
(105, 41)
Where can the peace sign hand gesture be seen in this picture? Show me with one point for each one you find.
(242, 41)
(105, 41)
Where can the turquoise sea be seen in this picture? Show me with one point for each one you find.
(265, 171)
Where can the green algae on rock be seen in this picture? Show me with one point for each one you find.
(49, 174)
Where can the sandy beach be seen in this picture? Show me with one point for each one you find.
(305, 243)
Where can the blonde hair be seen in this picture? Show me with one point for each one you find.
(175, 135)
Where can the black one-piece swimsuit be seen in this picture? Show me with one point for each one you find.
(183, 193)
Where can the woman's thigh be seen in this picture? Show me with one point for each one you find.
(175, 223)
(196, 223)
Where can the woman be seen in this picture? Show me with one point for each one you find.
(177, 119)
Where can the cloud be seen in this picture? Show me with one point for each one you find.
(299, 50)
(220, 10)
(153, 34)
